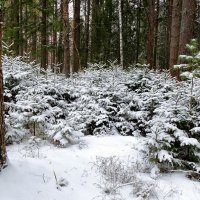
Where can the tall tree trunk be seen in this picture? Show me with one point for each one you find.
(175, 35)
(55, 15)
(44, 53)
(2, 123)
(187, 24)
(94, 24)
(121, 34)
(21, 51)
(59, 49)
(151, 33)
(138, 31)
(156, 32)
(34, 38)
(76, 37)
(15, 5)
(66, 29)
(87, 31)
(168, 35)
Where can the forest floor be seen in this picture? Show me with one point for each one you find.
(96, 168)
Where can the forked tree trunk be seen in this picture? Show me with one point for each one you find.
(2, 123)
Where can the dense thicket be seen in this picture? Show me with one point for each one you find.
(69, 36)
(100, 101)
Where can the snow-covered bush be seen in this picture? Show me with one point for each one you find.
(191, 63)
(116, 174)
(105, 101)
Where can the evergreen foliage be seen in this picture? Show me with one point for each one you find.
(105, 101)
(191, 66)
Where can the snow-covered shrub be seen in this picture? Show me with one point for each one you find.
(173, 140)
(116, 174)
(191, 66)
(103, 100)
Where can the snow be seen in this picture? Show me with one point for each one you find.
(31, 172)
(142, 122)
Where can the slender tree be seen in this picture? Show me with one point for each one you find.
(87, 31)
(76, 37)
(175, 35)
(2, 123)
(151, 33)
(66, 31)
(168, 35)
(121, 34)
(44, 53)
(138, 31)
(156, 31)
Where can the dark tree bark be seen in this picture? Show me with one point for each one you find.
(76, 37)
(21, 42)
(168, 35)
(94, 24)
(16, 24)
(138, 31)
(87, 33)
(44, 54)
(187, 24)
(156, 32)
(175, 35)
(66, 30)
(151, 33)
(2, 123)
(55, 15)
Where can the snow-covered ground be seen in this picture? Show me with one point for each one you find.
(38, 170)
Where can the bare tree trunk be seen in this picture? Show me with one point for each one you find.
(121, 34)
(87, 32)
(66, 29)
(156, 32)
(44, 53)
(175, 35)
(76, 37)
(151, 33)
(55, 15)
(93, 38)
(21, 50)
(16, 19)
(168, 35)
(59, 49)
(138, 31)
(187, 24)
(2, 123)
